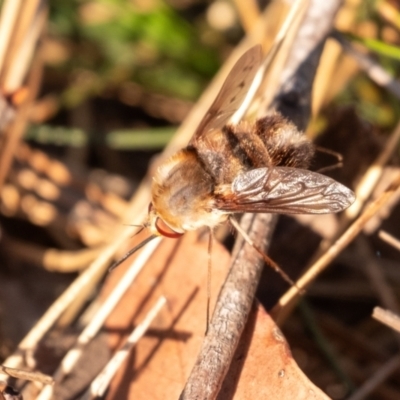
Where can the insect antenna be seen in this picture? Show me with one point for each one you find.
(271, 263)
(141, 226)
(131, 251)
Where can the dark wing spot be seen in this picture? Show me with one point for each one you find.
(241, 84)
(232, 99)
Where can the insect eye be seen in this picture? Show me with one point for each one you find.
(165, 230)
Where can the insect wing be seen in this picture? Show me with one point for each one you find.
(284, 190)
(231, 94)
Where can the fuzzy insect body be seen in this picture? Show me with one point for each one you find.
(235, 168)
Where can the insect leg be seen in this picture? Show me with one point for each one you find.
(209, 269)
(267, 259)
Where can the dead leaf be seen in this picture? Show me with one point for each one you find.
(263, 366)
(161, 362)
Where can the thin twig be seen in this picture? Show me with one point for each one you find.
(371, 67)
(377, 278)
(230, 315)
(377, 379)
(27, 375)
(372, 176)
(387, 317)
(389, 239)
(376, 275)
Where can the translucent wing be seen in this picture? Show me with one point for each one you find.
(284, 190)
(231, 94)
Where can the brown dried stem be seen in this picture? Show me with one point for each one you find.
(387, 317)
(377, 379)
(12, 80)
(231, 312)
(389, 239)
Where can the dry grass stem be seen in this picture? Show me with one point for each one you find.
(71, 358)
(284, 36)
(376, 379)
(372, 176)
(31, 31)
(101, 383)
(286, 302)
(376, 275)
(84, 283)
(27, 375)
(248, 13)
(8, 18)
(387, 317)
(389, 239)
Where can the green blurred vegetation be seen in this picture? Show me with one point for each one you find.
(174, 52)
(122, 139)
(115, 41)
(374, 103)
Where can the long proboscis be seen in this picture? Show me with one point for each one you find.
(131, 251)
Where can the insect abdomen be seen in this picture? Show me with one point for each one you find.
(286, 146)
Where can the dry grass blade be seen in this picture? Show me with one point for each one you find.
(372, 175)
(388, 12)
(332, 67)
(31, 21)
(289, 26)
(84, 283)
(28, 30)
(100, 384)
(286, 302)
(387, 317)
(390, 239)
(8, 18)
(376, 276)
(71, 358)
(27, 375)
(248, 13)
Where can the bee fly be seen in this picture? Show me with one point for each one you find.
(236, 168)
